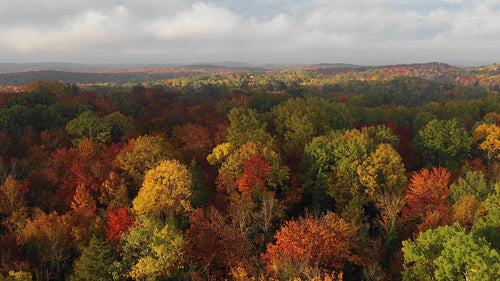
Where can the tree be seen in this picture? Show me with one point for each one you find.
(193, 139)
(144, 153)
(118, 224)
(215, 244)
(95, 261)
(120, 125)
(255, 171)
(166, 191)
(350, 164)
(428, 194)
(246, 126)
(299, 120)
(487, 136)
(383, 171)
(443, 143)
(151, 250)
(83, 203)
(12, 196)
(450, 253)
(48, 241)
(488, 227)
(89, 125)
(328, 243)
(466, 210)
(232, 160)
(473, 183)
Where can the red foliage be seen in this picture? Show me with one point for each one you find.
(405, 147)
(119, 221)
(88, 164)
(255, 171)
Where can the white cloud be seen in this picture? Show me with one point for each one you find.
(359, 31)
(90, 29)
(201, 19)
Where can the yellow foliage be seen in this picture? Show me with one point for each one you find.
(383, 171)
(166, 190)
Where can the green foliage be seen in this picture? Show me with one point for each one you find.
(120, 125)
(297, 121)
(200, 196)
(15, 117)
(152, 251)
(489, 228)
(473, 183)
(95, 262)
(264, 102)
(450, 253)
(89, 125)
(352, 164)
(443, 143)
(247, 126)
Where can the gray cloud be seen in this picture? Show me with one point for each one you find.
(361, 31)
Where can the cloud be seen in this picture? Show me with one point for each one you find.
(89, 29)
(359, 31)
(203, 19)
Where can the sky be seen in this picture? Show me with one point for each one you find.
(366, 32)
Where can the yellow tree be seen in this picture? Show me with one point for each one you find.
(145, 153)
(12, 196)
(487, 136)
(48, 239)
(383, 171)
(166, 191)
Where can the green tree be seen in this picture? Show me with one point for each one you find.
(95, 262)
(89, 125)
(450, 253)
(120, 124)
(443, 143)
(473, 183)
(247, 126)
(489, 227)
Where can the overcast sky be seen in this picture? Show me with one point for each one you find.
(253, 31)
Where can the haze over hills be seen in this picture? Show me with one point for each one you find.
(18, 74)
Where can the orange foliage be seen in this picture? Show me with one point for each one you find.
(428, 191)
(255, 171)
(328, 243)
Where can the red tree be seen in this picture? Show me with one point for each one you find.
(119, 221)
(255, 171)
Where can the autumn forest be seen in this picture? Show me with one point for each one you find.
(326, 172)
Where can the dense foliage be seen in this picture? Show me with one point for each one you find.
(370, 174)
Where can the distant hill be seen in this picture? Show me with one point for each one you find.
(12, 74)
(20, 78)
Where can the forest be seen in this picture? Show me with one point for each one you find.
(384, 173)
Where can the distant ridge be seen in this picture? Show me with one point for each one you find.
(13, 74)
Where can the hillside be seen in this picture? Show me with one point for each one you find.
(19, 74)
